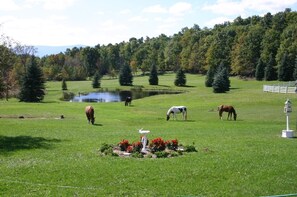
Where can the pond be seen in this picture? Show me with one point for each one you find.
(117, 96)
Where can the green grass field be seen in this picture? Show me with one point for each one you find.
(42, 155)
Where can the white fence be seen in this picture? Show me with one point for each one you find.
(289, 87)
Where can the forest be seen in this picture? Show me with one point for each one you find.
(260, 47)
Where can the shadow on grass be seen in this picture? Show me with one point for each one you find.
(97, 124)
(10, 144)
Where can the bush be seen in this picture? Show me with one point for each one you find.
(190, 148)
(107, 149)
(157, 144)
(124, 144)
(161, 154)
(137, 155)
(67, 96)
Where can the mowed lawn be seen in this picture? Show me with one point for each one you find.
(42, 155)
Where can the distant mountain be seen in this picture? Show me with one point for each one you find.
(51, 50)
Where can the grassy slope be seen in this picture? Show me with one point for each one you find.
(45, 156)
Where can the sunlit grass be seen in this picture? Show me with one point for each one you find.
(54, 157)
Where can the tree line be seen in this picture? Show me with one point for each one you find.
(261, 47)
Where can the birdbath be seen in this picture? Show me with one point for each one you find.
(287, 109)
(143, 140)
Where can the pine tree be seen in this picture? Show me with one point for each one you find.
(64, 85)
(180, 78)
(153, 79)
(32, 87)
(96, 80)
(221, 82)
(284, 70)
(2, 88)
(260, 70)
(209, 77)
(126, 77)
(295, 69)
(270, 72)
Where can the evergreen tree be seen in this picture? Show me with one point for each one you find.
(260, 70)
(64, 85)
(221, 82)
(270, 72)
(2, 88)
(32, 87)
(284, 71)
(180, 78)
(153, 79)
(295, 69)
(126, 77)
(209, 76)
(96, 80)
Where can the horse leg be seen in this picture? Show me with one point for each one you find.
(229, 116)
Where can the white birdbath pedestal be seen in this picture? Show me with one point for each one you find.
(143, 140)
(287, 109)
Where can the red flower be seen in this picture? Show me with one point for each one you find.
(124, 145)
(129, 149)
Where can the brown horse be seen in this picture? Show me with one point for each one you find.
(229, 109)
(90, 114)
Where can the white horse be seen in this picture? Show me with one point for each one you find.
(176, 110)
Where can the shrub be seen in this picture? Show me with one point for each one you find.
(137, 155)
(157, 144)
(172, 144)
(67, 96)
(190, 148)
(137, 146)
(124, 145)
(161, 154)
(107, 149)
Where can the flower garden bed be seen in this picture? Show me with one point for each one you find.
(157, 148)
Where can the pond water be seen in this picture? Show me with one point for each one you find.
(116, 96)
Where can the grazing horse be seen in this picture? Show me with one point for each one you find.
(229, 109)
(176, 110)
(90, 114)
(128, 101)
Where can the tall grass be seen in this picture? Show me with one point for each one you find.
(42, 155)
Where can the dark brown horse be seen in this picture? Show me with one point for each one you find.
(90, 114)
(128, 101)
(230, 109)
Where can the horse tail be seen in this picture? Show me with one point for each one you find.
(186, 113)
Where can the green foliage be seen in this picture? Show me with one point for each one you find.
(190, 148)
(210, 76)
(32, 87)
(295, 69)
(126, 77)
(221, 82)
(153, 79)
(2, 87)
(270, 71)
(285, 70)
(180, 79)
(137, 155)
(96, 80)
(64, 85)
(260, 70)
(161, 154)
(106, 149)
(67, 96)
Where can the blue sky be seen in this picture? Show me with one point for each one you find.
(91, 22)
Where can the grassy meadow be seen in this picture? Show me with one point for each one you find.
(42, 155)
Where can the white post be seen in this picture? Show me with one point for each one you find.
(287, 109)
